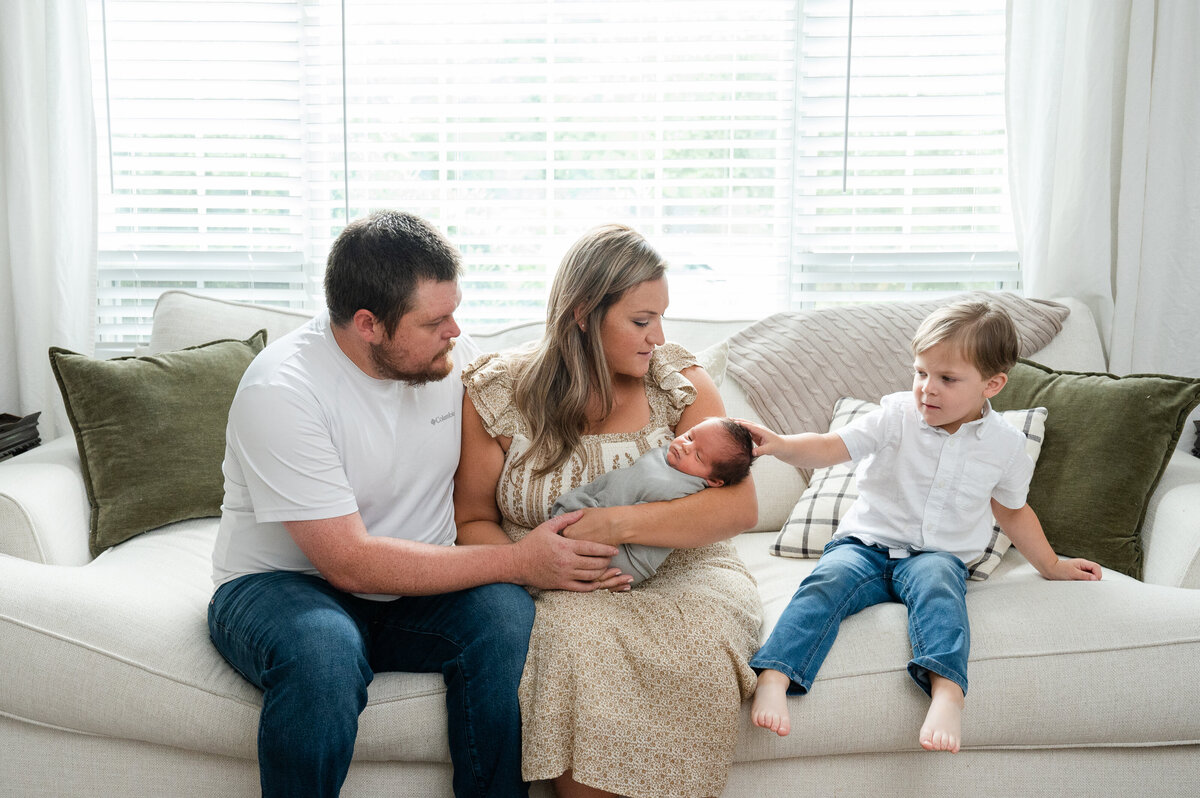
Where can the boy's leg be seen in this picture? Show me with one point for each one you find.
(848, 579)
(933, 585)
(477, 639)
(301, 642)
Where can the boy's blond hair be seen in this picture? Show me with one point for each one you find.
(982, 332)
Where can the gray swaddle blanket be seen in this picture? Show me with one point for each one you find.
(649, 479)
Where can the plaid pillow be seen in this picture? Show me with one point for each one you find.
(832, 490)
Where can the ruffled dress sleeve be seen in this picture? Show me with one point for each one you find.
(672, 391)
(489, 383)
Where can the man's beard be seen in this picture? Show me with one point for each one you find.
(388, 369)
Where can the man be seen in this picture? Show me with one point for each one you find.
(334, 558)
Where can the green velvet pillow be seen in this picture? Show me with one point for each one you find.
(151, 432)
(1108, 441)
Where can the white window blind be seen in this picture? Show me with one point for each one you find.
(922, 203)
(242, 135)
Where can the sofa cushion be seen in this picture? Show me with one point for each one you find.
(795, 366)
(151, 432)
(1034, 643)
(120, 648)
(183, 319)
(1108, 441)
(832, 490)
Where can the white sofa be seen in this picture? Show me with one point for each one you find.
(110, 686)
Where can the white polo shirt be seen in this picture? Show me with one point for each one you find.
(310, 436)
(923, 489)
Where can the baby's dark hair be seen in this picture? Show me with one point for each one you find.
(735, 465)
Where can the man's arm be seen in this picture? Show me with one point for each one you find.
(354, 561)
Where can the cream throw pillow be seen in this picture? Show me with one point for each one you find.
(832, 490)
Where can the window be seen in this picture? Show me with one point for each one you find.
(237, 138)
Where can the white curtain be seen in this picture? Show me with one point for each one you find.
(47, 201)
(1103, 113)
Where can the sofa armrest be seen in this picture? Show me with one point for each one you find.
(1171, 532)
(44, 513)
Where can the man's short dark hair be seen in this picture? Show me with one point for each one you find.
(376, 263)
(734, 466)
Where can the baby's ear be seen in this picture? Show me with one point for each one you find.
(714, 483)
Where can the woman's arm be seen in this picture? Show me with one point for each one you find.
(705, 517)
(479, 465)
(545, 558)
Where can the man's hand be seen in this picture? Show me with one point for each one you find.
(553, 562)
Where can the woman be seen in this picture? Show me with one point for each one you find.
(628, 692)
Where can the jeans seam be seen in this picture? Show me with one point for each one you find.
(470, 729)
(808, 658)
(917, 639)
(469, 724)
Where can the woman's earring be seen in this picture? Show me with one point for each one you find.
(582, 327)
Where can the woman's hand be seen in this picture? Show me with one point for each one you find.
(600, 525)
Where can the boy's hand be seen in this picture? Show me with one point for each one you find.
(765, 441)
(1078, 570)
(803, 450)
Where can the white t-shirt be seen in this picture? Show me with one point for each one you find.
(310, 436)
(923, 489)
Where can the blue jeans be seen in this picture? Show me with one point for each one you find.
(313, 649)
(852, 576)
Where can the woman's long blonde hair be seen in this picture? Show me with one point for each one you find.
(555, 381)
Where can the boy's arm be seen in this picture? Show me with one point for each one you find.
(1025, 531)
(805, 450)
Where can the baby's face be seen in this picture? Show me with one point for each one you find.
(697, 450)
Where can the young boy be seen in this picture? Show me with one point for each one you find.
(937, 463)
(715, 452)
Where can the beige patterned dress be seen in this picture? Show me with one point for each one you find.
(639, 692)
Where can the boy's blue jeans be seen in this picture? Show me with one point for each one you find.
(852, 576)
(313, 650)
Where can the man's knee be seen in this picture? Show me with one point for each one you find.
(505, 611)
(502, 621)
(320, 651)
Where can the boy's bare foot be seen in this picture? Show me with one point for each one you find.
(769, 709)
(942, 729)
